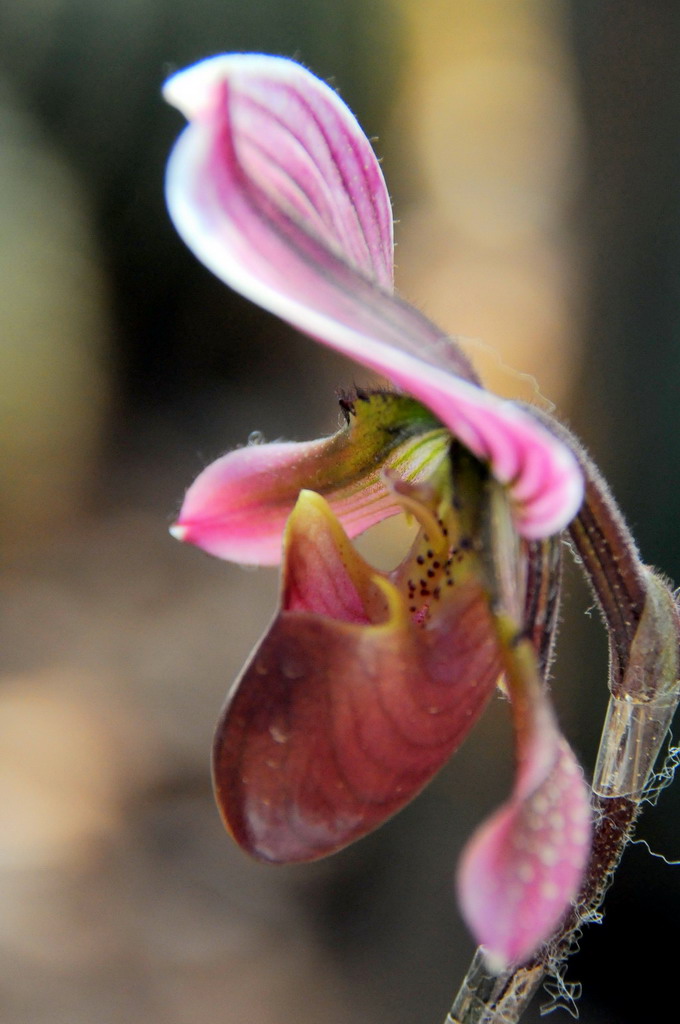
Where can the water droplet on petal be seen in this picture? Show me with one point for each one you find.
(255, 437)
(292, 666)
(279, 733)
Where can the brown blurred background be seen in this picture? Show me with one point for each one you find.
(532, 152)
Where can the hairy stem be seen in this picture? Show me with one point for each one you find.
(641, 616)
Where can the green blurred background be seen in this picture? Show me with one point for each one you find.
(532, 152)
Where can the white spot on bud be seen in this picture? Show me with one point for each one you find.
(549, 890)
(525, 871)
(549, 855)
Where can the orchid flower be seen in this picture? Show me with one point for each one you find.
(367, 681)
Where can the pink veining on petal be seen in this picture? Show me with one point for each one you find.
(302, 145)
(238, 506)
(301, 229)
(228, 206)
(524, 865)
(543, 476)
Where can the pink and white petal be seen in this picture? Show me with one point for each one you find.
(543, 477)
(295, 139)
(307, 235)
(259, 222)
(523, 867)
(238, 506)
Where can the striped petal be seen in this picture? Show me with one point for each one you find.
(275, 187)
(301, 148)
(238, 506)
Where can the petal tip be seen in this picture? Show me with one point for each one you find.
(178, 91)
(178, 531)
(192, 89)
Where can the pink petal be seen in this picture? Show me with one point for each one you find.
(293, 138)
(522, 868)
(234, 208)
(238, 506)
(301, 227)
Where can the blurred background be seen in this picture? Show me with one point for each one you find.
(531, 149)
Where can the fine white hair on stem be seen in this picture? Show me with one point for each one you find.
(662, 778)
(654, 853)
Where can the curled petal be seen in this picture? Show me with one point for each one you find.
(347, 708)
(295, 140)
(255, 219)
(238, 506)
(522, 868)
(254, 213)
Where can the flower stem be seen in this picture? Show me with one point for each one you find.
(641, 615)
(486, 998)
